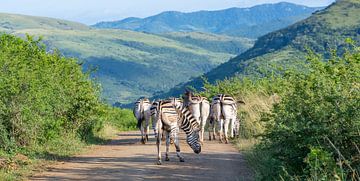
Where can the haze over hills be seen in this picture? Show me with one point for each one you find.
(325, 29)
(130, 64)
(244, 22)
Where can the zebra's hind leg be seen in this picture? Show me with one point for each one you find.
(142, 134)
(177, 147)
(232, 128)
(213, 131)
(226, 129)
(147, 129)
(221, 137)
(209, 135)
(158, 139)
(167, 146)
(202, 131)
(163, 137)
(210, 129)
(158, 145)
(220, 132)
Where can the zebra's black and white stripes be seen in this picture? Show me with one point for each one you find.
(223, 112)
(171, 116)
(200, 108)
(142, 114)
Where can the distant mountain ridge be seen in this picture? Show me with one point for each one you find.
(324, 30)
(130, 64)
(244, 22)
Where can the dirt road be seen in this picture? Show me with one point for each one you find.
(125, 158)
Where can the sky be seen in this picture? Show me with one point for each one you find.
(93, 11)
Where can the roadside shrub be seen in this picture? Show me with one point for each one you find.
(42, 95)
(313, 133)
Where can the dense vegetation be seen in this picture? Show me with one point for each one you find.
(314, 131)
(307, 122)
(48, 106)
(129, 64)
(325, 29)
(243, 22)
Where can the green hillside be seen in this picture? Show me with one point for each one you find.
(324, 30)
(244, 22)
(130, 64)
(13, 22)
(212, 42)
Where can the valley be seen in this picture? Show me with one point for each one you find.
(128, 64)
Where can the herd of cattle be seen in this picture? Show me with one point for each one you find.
(191, 114)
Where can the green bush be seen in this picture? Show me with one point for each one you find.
(307, 118)
(320, 109)
(49, 108)
(122, 119)
(43, 95)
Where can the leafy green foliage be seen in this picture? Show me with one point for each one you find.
(42, 95)
(307, 119)
(49, 108)
(318, 109)
(122, 119)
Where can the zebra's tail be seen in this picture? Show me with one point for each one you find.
(139, 123)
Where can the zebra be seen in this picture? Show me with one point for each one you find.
(172, 115)
(142, 114)
(154, 112)
(200, 108)
(224, 111)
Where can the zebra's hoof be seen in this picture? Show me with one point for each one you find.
(167, 159)
(158, 162)
(143, 141)
(147, 138)
(182, 160)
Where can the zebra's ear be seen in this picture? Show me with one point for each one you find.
(240, 102)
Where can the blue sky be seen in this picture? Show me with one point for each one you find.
(92, 11)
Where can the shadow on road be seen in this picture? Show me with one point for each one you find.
(125, 158)
(142, 167)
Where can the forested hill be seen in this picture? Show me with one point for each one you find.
(324, 30)
(130, 64)
(244, 22)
